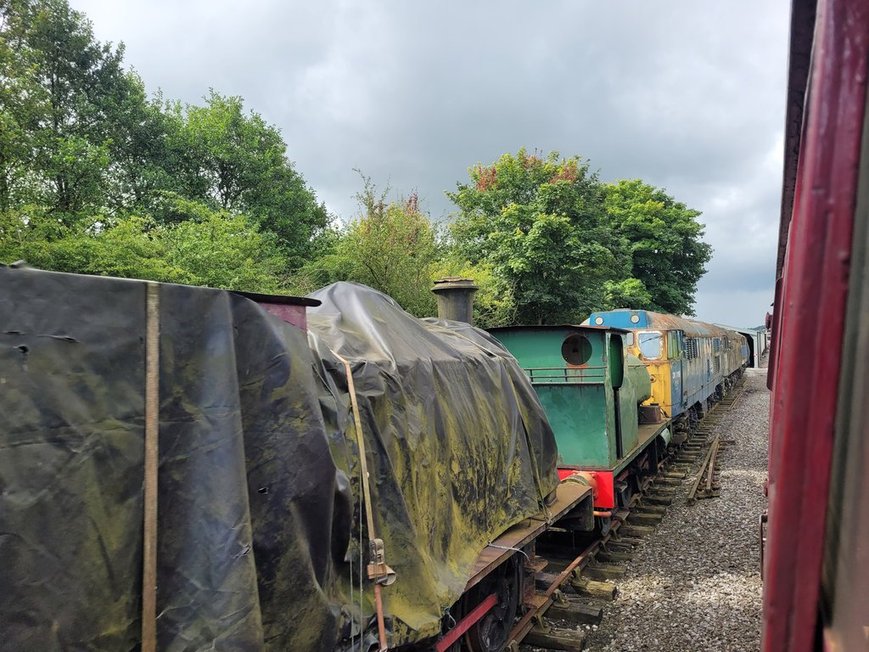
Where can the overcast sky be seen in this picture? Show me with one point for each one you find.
(685, 95)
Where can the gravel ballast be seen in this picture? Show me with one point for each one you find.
(694, 584)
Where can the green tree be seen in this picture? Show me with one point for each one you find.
(391, 247)
(665, 244)
(79, 138)
(236, 162)
(64, 100)
(213, 249)
(630, 292)
(227, 251)
(20, 95)
(146, 155)
(540, 224)
(130, 247)
(330, 262)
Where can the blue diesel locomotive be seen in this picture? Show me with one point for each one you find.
(691, 363)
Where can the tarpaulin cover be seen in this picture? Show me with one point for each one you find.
(259, 502)
(458, 446)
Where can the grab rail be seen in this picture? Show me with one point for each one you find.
(566, 375)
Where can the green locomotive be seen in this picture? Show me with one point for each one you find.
(591, 390)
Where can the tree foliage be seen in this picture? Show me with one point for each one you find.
(540, 223)
(63, 94)
(86, 156)
(238, 163)
(391, 247)
(217, 250)
(664, 237)
(629, 292)
(563, 244)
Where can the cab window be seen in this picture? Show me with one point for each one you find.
(650, 343)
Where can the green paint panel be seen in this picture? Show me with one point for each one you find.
(541, 348)
(638, 378)
(578, 416)
(628, 407)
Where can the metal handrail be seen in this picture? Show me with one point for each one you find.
(566, 375)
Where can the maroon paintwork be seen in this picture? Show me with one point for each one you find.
(821, 165)
(293, 310)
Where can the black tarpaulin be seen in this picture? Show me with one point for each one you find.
(259, 502)
(252, 509)
(459, 448)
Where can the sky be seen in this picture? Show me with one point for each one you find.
(686, 95)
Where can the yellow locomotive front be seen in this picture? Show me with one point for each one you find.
(656, 349)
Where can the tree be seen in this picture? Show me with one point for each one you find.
(665, 242)
(145, 152)
(20, 94)
(227, 251)
(236, 162)
(79, 138)
(540, 224)
(217, 250)
(630, 292)
(391, 247)
(65, 97)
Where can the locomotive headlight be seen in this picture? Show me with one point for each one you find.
(652, 377)
(598, 320)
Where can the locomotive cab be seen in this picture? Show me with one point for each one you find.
(591, 388)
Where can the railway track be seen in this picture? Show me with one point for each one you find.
(706, 484)
(569, 591)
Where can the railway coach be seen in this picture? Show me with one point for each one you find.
(192, 468)
(691, 363)
(816, 562)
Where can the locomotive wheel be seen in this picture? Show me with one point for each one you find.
(491, 632)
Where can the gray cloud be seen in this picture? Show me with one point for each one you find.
(689, 96)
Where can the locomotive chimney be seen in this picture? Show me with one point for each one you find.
(455, 298)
